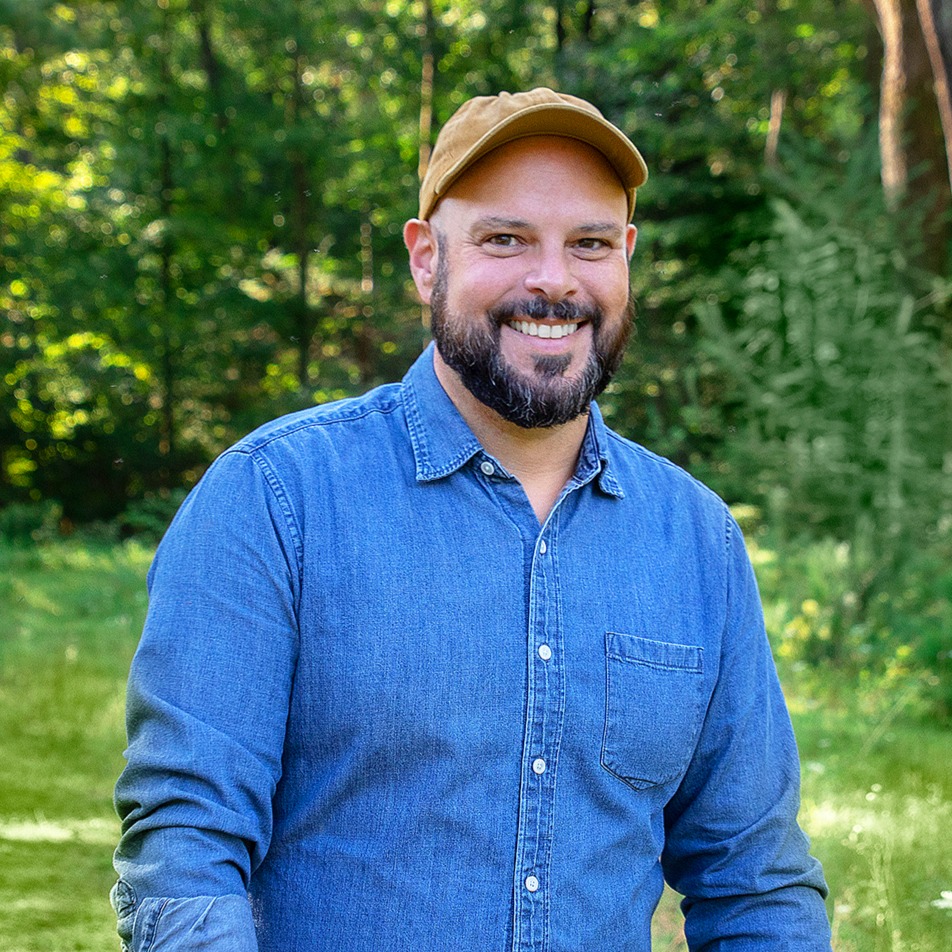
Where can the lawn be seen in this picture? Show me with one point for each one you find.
(877, 792)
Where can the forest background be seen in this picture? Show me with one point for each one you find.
(201, 205)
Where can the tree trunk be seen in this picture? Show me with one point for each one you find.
(169, 343)
(426, 106)
(778, 101)
(426, 87)
(300, 212)
(912, 145)
(209, 62)
(893, 94)
(935, 17)
(363, 337)
(167, 298)
(588, 19)
(560, 35)
(304, 322)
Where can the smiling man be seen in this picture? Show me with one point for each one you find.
(452, 665)
(534, 320)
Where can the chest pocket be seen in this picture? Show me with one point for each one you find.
(653, 708)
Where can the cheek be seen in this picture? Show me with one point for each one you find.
(489, 279)
(615, 289)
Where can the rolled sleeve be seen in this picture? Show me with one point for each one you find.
(206, 714)
(197, 924)
(733, 847)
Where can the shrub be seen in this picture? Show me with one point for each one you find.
(886, 628)
(30, 522)
(148, 518)
(832, 344)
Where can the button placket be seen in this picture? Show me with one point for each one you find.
(545, 704)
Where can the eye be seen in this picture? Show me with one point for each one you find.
(502, 244)
(592, 245)
(502, 241)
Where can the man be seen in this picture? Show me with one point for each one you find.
(452, 665)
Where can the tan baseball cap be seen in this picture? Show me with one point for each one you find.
(486, 122)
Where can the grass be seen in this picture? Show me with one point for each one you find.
(877, 790)
(877, 801)
(69, 617)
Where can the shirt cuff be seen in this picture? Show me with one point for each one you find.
(193, 924)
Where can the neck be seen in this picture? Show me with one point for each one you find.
(542, 459)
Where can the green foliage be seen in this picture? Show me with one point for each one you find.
(833, 356)
(693, 82)
(886, 628)
(212, 194)
(75, 404)
(148, 518)
(30, 522)
(203, 206)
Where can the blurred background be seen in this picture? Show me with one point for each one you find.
(201, 205)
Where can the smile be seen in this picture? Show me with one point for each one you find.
(534, 329)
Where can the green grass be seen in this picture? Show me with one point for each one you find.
(877, 791)
(877, 801)
(69, 617)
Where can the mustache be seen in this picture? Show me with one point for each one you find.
(539, 309)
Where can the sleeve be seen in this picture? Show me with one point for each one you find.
(733, 847)
(207, 707)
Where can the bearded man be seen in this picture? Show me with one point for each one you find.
(453, 665)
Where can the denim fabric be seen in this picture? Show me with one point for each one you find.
(378, 707)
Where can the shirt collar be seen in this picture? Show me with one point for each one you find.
(595, 458)
(441, 439)
(443, 442)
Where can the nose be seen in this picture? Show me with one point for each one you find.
(551, 274)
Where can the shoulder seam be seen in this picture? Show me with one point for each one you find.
(249, 447)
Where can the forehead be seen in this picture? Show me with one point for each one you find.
(543, 174)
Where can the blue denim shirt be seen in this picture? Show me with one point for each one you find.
(377, 706)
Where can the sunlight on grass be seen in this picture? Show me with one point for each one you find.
(877, 803)
(97, 830)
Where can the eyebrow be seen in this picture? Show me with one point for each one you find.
(602, 228)
(497, 221)
(518, 224)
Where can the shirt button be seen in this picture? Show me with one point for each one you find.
(487, 467)
(545, 652)
(532, 884)
(538, 765)
(543, 547)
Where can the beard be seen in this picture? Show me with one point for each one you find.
(548, 398)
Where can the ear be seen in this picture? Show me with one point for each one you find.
(631, 234)
(421, 243)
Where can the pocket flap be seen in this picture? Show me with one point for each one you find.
(660, 654)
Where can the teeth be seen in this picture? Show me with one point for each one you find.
(553, 331)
